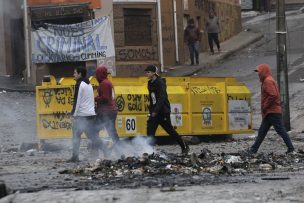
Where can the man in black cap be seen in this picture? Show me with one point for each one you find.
(159, 107)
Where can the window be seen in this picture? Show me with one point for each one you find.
(137, 26)
(185, 20)
(186, 5)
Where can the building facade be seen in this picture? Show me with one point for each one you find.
(144, 32)
(140, 24)
(64, 12)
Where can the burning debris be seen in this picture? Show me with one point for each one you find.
(167, 164)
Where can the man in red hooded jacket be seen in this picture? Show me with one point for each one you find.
(106, 108)
(271, 109)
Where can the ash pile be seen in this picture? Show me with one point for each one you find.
(161, 166)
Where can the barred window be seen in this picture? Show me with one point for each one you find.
(137, 26)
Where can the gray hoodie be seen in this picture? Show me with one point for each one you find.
(212, 25)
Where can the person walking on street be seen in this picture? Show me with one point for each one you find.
(213, 28)
(271, 110)
(192, 37)
(159, 108)
(83, 113)
(106, 109)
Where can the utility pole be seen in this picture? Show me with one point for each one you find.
(26, 41)
(282, 70)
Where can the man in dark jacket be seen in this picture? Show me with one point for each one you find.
(192, 37)
(83, 113)
(106, 108)
(271, 109)
(159, 108)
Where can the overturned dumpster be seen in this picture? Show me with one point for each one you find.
(199, 106)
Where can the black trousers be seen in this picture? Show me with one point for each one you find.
(107, 120)
(164, 121)
(275, 120)
(213, 37)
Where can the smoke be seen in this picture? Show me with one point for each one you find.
(122, 147)
(136, 147)
(112, 146)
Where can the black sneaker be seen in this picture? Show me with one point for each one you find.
(251, 151)
(291, 152)
(73, 159)
(248, 152)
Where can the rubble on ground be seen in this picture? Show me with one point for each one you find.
(158, 164)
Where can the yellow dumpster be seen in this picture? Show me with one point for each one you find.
(199, 106)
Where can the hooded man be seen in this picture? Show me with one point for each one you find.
(83, 113)
(192, 37)
(106, 109)
(159, 108)
(271, 109)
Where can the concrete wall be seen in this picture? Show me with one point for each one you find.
(2, 41)
(172, 48)
(106, 10)
(131, 59)
(11, 38)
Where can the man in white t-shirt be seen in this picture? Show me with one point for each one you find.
(83, 113)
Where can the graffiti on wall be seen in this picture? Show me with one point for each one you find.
(56, 123)
(132, 54)
(60, 99)
(133, 103)
(205, 90)
(61, 96)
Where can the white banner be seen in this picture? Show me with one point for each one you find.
(89, 40)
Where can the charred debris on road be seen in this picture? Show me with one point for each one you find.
(156, 166)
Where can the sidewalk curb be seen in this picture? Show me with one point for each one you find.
(17, 90)
(227, 54)
(193, 72)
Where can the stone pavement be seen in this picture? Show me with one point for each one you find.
(243, 39)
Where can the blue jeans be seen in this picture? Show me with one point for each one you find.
(84, 124)
(194, 50)
(275, 120)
